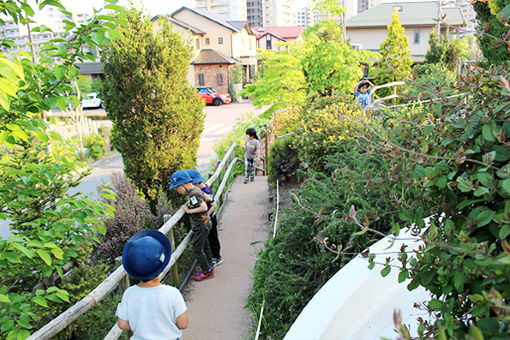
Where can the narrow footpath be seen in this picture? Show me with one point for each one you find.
(217, 307)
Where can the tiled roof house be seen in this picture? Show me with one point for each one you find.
(369, 29)
(219, 44)
(268, 36)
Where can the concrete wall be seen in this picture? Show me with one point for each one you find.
(372, 38)
(210, 73)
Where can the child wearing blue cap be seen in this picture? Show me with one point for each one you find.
(362, 93)
(151, 310)
(214, 242)
(196, 208)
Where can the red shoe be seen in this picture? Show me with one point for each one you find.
(204, 276)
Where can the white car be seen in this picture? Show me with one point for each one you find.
(91, 100)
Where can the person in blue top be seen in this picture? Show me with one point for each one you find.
(214, 242)
(362, 93)
(150, 309)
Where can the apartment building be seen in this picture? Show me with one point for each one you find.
(363, 5)
(467, 11)
(22, 34)
(255, 12)
(304, 17)
(233, 9)
(263, 13)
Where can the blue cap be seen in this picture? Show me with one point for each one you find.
(146, 254)
(178, 178)
(196, 177)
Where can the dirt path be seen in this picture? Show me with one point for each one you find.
(216, 307)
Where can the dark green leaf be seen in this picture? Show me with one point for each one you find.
(385, 271)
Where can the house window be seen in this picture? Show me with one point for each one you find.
(197, 43)
(268, 44)
(201, 79)
(252, 71)
(219, 79)
(207, 41)
(417, 37)
(220, 40)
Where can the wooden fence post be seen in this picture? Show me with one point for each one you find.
(175, 271)
(124, 283)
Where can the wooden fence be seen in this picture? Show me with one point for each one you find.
(380, 100)
(120, 278)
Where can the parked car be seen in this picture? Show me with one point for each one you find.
(91, 101)
(211, 96)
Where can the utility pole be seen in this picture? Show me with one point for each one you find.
(344, 34)
(438, 18)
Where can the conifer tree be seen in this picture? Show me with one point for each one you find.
(395, 63)
(157, 118)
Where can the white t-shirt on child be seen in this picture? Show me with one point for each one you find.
(151, 312)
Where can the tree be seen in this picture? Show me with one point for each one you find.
(157, 118)
(282, 82)
(321, 65)
(49, 224)
(444, 50)
(492, 30)
(395, 63)
(331, 66)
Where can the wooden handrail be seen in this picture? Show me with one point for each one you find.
(74, 312)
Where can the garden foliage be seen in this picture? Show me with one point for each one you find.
(157, 118)
(395, 63)
(430, 80)
(445, 51)
(492, 30)
(340, 173)
(132, 214)
(459, 158)
(49, 224)
(322, 64)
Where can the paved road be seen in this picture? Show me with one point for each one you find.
(218, 121)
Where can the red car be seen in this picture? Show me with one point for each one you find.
(211, 96)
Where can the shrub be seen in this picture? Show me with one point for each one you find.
(283, 162)
(294, 265)
(461, 163)
(327, 125)
(287, 120)
(432, 78)
(132, 214)
(96, 145)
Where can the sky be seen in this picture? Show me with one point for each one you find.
(152, 6)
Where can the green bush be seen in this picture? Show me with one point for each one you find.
(461, 165)
(157, 117)
(96, 145)
(294, 265)
(432, 79)
(283, 161)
